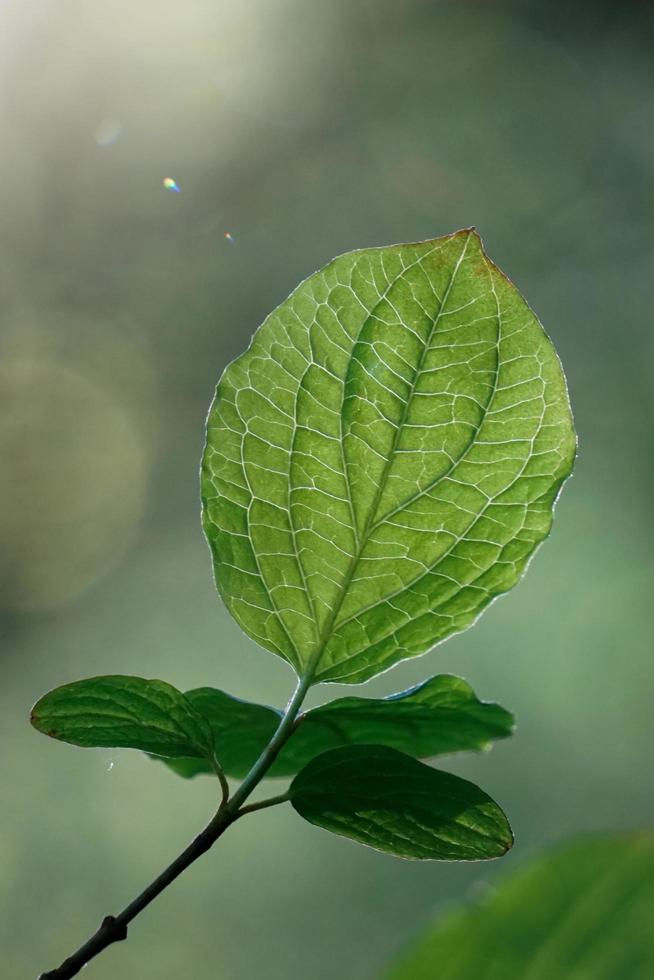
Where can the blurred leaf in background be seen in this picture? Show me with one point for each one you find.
(583, 911)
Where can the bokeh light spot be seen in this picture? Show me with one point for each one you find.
(73, 484)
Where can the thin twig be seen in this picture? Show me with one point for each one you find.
(113, 929)
(263, 804)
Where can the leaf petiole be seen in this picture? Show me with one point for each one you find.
(263, 804)
(224, 785)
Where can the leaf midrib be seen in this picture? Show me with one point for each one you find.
(457, 538)
(322, 638)
(381, 486)
(363, 540)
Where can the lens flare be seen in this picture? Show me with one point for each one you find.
(171, 185)
(228, 236)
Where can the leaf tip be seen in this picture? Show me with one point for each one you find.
(507, 837)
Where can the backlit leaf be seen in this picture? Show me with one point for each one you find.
(441, 715)
(128, 712)
(241, 730)
(384, 458)
(381, 797)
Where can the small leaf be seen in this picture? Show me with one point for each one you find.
(241, 730)
(441, 715)
(584, 910)
(387, 800)
(187, 767)
(384, 458)
(127, 712)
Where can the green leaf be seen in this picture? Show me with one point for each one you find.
(241, 730)
(441, 715)
(381, 797)
(384, 458)
(126, 712)
(584, 911)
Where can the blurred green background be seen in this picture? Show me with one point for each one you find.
(302, 130)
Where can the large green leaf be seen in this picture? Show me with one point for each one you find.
(384, 458)
(584, 912)
(441, 715)
(128, 712)
(381, 797)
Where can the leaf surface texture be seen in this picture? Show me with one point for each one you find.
(384, 458)
(121, 711)
(441, 715)
(378, 796)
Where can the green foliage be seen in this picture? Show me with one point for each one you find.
(381, 797)
(440, 715)
(128, 712)
(584, 911)
(241, 731)
(380, 464)
(383, 459)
